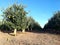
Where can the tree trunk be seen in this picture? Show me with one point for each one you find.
(15, 32)
(31, 29)
(28, 29)
(23, 30)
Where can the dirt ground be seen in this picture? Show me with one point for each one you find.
(29, 38)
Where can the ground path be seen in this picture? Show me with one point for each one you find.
(29, 38)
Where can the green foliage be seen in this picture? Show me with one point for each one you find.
(33, 25)
(54, 23)
(15, 17)
(37, 26)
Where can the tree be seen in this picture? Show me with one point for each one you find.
(54, 23)
(33, 25)
(15, 17)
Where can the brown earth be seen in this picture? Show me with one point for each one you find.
(29, 38)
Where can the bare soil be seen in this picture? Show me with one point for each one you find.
(29, 38)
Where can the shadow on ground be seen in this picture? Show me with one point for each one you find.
(50, 31)
(6, 31)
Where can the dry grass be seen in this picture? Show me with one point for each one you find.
(29, 38)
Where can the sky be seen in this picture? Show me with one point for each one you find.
(40, 10)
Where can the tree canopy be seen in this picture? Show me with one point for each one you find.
(15, 17)
(54, 23)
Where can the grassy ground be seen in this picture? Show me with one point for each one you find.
(29, 38)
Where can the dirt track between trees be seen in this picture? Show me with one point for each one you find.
(29, 38)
